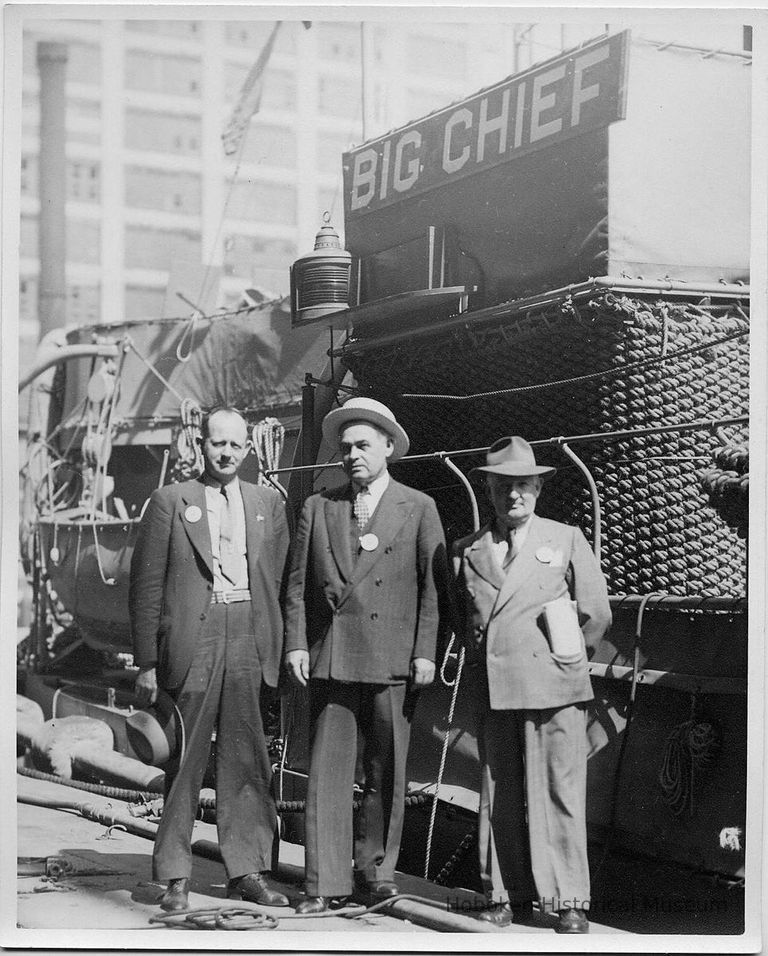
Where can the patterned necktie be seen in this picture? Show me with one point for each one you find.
(361, 508)
(512, 550)
(227, 557)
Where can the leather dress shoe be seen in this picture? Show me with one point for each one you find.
(381, 889)
(572, 921)
(507, 913)
(321, 904)
(176, 896)
(254, 888)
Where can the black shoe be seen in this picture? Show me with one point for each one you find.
(321, 904)
(254, 888)
(507, 913)
(382, 889)
(176, 897)
(572, 921)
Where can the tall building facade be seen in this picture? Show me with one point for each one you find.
(150, 194)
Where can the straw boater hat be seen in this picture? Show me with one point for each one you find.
(512, 456)
(155, 733)
(373, 413)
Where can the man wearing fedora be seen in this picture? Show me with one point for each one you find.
(207, 629)
(368, 568)
(516, 580)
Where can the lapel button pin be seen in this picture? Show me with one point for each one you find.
(193, 514)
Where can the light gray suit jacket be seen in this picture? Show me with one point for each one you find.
(501, 615)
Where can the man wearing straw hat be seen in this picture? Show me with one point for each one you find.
(207, 628)
(368, 567)
(517, 580)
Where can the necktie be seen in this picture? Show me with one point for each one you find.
(227, 557)
(361, 508)
(511, 554)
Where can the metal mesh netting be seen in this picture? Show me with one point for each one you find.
(660, 528)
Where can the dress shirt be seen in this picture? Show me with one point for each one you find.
(214, 501)
(501, 540)
(375, 490)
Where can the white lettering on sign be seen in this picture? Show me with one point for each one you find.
(572, 94)
(519, 115)
(385, 170)
(403, 183)
(486, 126)
(463, 118)
(583, 94)
(542, 103)
(364, 178)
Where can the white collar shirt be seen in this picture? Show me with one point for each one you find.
(215, 502)
(376, 490)
(501, 541)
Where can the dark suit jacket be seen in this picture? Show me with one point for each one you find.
(502, 619)
(365, 620)
(171, 580)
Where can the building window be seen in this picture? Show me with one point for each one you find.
(172, 75)
(143, 303)
(244, 255)
(83, 241)
(28, 305)
(147, 248)
(329, 152)
(433, 56)
(83, 61)
(278, 90)
(270, 146)
(29, 176)
(83, 304)
(263, 202)
(339, 42)
(29, 240)
(83, 181)
(255, 33)
(162, 132)
(185, 29)
(163, 191)
(337, 96)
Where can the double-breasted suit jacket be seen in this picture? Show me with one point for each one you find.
(172, 578)
(502, 617)
(365, 618)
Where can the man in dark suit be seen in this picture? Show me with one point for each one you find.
(516, 580)
(368, 567)
(207, 628)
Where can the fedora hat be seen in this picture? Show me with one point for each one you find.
(512, 455)
(370, 411)
(155, 733)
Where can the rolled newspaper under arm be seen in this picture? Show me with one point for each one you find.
(566, 640)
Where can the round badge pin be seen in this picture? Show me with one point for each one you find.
(369, 542)
(193, 514)
(545, 555)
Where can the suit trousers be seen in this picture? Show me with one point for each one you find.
(536, 758)
(381, 713)
(222, 690)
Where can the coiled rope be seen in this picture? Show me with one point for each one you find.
(189, 462)
(268, 436)
(689, 748)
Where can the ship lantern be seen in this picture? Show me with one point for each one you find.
(320, 279)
